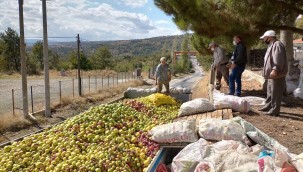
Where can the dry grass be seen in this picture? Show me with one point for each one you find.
(99, 96)
(73, 73)
(10, 74)
(110, 92)
(13, 122)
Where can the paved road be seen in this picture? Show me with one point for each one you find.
(191, 80)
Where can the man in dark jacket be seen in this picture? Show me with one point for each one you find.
(239, 61)
(275, 69)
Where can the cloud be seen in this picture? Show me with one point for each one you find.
(134, 3)
(92, 20)
(159, 22)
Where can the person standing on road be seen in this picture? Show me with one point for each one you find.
(274, 71)
(220, 64)
(239, 61)
(163, 76)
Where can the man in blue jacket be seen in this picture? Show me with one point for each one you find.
(239, 61)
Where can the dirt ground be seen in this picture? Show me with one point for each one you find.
(287, 128)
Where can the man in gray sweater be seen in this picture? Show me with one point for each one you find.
(163, 76)
(220, 64)
(275, 69)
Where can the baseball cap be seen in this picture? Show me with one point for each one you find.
(268, 33)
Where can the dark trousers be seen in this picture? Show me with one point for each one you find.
(160, 85)
(275, 89)
(235, 76)
(222, 71)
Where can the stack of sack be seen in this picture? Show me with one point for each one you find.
(225, 145)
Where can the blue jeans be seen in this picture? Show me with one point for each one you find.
(235, 76)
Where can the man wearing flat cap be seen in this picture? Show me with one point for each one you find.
(163, 76)
(275, 69)
(220, 64)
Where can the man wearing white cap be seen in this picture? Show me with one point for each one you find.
(275, 69)
(219, 65)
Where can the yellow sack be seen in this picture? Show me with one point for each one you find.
(161, 99)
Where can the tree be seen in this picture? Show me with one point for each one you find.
(84, 62)
(221, 20)
(249, 18)
(102, 59)
(11, 53)
(37, 51)
(54, 60)
(3, 61)
(32, 64)
(164, 49)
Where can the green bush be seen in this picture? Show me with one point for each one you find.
(64, 65)
(33, 65)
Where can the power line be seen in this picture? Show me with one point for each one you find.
(50, 37)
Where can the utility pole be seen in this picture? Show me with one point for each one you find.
(79, 74)
(46, 61)
(23, 62)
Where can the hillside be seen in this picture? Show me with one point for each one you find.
(137, 47)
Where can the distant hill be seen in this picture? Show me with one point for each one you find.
(136, 47)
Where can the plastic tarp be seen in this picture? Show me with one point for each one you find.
(258, 136)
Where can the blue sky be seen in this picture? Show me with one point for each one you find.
(94, 20)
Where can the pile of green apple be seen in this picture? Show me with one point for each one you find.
(111, 137)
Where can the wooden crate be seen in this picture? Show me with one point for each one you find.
(218, 114)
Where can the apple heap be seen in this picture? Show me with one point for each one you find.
(110, 137)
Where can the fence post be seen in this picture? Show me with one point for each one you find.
(60, 91)
(88, 83)
(13, 99)
(108, 81)
(149, 74)
(124, 77)
(73, 88)
(32, 99)
(96, 87)
(117, 79)
(113, 80)
(102, 80)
